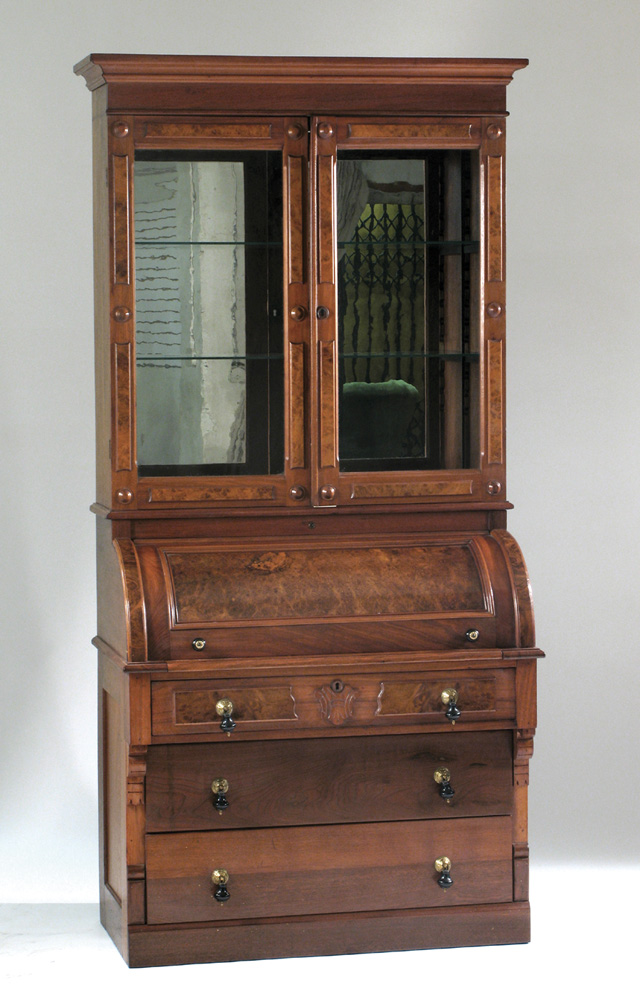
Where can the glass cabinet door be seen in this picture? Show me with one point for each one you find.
(209, 313)
(405, 295)
(211, 356)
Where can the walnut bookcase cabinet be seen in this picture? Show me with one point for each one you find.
(315, 635)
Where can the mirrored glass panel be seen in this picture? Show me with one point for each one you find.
(408, 325)
(209, 326)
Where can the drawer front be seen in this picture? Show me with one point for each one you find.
(330, 702)
(327, 869)
(313, 781)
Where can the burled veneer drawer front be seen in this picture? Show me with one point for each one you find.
(314, 781)
(332, 702)
(327, 869)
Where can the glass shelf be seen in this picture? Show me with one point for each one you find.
(445, 356)
(471, 246)
(209, 358)
(207, 243)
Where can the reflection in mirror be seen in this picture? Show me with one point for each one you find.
(407, 294)
(208, 313)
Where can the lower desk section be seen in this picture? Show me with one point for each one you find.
(317, 870)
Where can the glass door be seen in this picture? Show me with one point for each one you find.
(220, 356)
(405, 297)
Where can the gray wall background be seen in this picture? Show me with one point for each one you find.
(573, 401)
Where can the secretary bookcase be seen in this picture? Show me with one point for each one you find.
(315, 635)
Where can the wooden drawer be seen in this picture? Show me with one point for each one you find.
(313, 781)
(330, 701)
(327, 869)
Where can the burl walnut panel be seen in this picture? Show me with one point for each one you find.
(311, 781)
(217, 585)
(327, 869)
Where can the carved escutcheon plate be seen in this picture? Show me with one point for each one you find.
(336, 707)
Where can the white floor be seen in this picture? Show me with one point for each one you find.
(585, 945)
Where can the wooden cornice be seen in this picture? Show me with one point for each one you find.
(299, 84)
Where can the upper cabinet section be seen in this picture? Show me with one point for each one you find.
(300, 293)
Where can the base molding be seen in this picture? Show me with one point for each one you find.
(326, 935)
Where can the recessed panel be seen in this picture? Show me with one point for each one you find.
(218, 585)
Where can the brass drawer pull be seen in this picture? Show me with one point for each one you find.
(450, 699)
(219, 787)
(443, 867)
(224, 709)
(221, 878)
(443, 776)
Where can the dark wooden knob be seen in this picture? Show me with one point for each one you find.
(443, 867)
(297, 492)
(121, 314)
(323, 312)
(328, 492)
(224, 709)
(124, 495)
(443, 778)
(494, 310)
(298, 313)
(450, 699)
(325, 130)
(295, 131)
(219, 787)
(220, 878)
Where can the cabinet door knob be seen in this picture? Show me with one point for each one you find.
(325, 130)
(450, 699)
(443, 867)
(323, 312)
(328, 492)
(298, 313)
(443, 776)
(224, 709)
(221, 878)
(219, 787)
